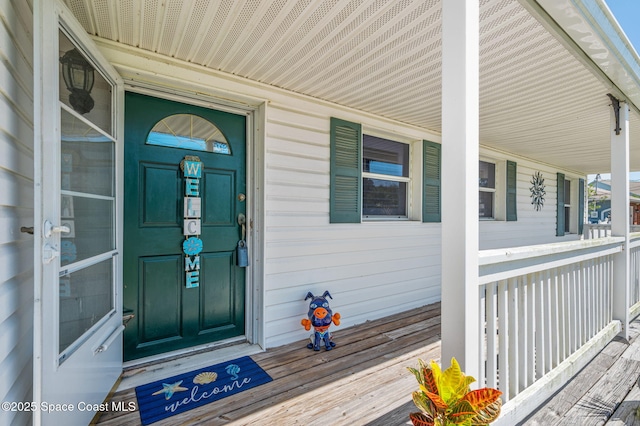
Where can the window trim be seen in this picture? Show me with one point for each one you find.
(494, 191)
(405, 179)
(568, 227)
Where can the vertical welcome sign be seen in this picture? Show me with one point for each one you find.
(192, 246)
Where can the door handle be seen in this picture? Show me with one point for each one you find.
(50, 229)
(109, 340)
(242, 221)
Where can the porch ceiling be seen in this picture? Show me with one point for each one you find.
(537, 99)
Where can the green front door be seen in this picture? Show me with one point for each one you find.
(171, 309)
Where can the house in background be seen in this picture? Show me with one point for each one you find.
(600, 197)
(395, 153)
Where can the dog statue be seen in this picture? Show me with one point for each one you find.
(320, 317)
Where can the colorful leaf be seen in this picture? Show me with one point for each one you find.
(423, 403)
(429, 380)
(421, 419)
(436, 372)
(437, 401)
(487, 414)
(460, 413)
(453, 384)
(417, 373)
(481, 398)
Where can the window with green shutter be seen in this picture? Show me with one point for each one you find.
(346, 180)
(432, 175)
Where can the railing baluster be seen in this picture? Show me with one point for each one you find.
(593, 298)
(573, 310)
(548, 337)
(610, 288)
(633, 276)
(564, 315)
(583, 302)
(514, 337)
(554, 333)
(523, 337)
(531, 334)
(492, 330)
(482, 329)
(503, 341)
(540, 342)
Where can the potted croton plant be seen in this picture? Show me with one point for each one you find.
(445, 398)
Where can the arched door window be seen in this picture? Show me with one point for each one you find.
(188, 131)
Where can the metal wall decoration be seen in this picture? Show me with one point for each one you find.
(191, 168)
(537, 191)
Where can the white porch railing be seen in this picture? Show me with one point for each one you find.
(601, 230)
(545, 312)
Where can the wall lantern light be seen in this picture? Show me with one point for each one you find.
(78, 77)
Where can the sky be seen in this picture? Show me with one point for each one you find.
(627, 13)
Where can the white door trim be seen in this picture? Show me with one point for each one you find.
(254, 278)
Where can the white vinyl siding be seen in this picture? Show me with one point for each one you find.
(372, 269)
(16, 207)
(532, 227)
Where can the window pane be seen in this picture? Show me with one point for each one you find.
(487, 175)
(188, 131)
(384, 198)
(567, 192)
(486, 204)
(567, 219)
(385, 157)
(91, 224)
(86, 296)
(82, 87)
(87, 160)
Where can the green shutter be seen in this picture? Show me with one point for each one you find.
(431, 200)
(345, 204)
(512, 182)
(560, 206)
(580, 206)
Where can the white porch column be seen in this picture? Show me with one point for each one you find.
(620, 215)
(460, 153)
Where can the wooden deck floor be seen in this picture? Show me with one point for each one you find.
(605, 392)
(364, 381)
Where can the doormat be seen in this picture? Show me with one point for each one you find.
(177, 394)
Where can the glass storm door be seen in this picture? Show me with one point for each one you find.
(181, 300)
(77, 313)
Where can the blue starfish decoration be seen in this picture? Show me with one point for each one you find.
(168, 390)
